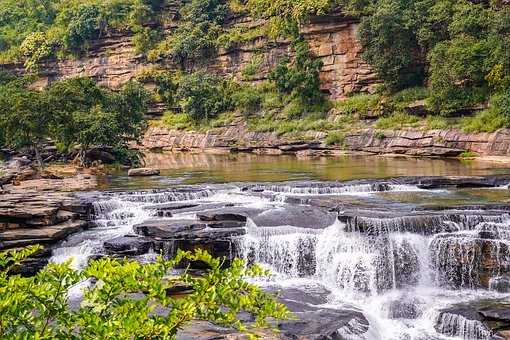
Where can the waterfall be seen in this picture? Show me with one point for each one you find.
(320, 189)
(404, 271)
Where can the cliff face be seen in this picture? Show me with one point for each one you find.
(112, 60)
(237, 138)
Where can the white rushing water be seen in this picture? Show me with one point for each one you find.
(399, 276)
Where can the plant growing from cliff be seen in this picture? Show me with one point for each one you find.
(203, 96)
(195, 37)
(124, 299)
(299, 78)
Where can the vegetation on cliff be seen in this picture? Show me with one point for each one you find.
(455, 51)
(122, 299)
(73, 113)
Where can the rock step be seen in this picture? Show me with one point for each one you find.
(48, 234)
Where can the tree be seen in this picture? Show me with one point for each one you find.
(24, 117)
(204, 96)
(88, 115)
(125, 299)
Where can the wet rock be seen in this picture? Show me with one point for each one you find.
(464, 261)
(129, 246)
(140, 172)
(165, 229)
(377, 222)
(462, 321)
(222, 216)
(105, 155)
(500, 284)
(406, 308)
(482, 319)
(20, 237)
(295, 215)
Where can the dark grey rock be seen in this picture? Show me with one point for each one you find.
(129, 246)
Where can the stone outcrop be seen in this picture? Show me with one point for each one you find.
(237, 138)
(112, 60)
(39, 218)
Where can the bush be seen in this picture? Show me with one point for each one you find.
(437, 123)
(497, 116)
(203, 96)
(335, 138)
(248, 99)
(391, 46)
(197, 34)
(177, 121)
(125, 299)
(396, 120)
(360, 104)
(299, 78)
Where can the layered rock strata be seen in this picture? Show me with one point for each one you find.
(238, 138)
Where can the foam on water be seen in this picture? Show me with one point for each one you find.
(376, 272)
(372, 264)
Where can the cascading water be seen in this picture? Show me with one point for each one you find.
(401, 276)
(400, 271)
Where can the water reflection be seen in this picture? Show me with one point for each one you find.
(186, 168)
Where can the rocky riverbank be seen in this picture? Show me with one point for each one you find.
(238, 138)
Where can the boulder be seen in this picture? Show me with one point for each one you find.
(404, 308)
(140, 172)
(129, 246)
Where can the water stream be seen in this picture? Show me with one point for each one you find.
(400, 272)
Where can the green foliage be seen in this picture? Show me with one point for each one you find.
(297, 10)
(462, 45)
(127, 299)
(71, 112)
(497, 116)
(31, 30)
(195, 37)
(248, 99)
(299, 78)
(396, 120)
(203, 96)
(177, 121)
(335, 138)
(437, 123)
(387, 32)
(166, 84)
(360, 104)
(468, 154)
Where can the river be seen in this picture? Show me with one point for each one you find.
(356, 249)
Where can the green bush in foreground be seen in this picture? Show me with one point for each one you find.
(128, 300)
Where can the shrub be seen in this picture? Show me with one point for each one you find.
(300, 77)
(396, 120)
(34, 48)
(335, 138)
(437, 123)
(203, 96)
(125, 299)
(497, 116)
(360, 104)
(177, 121)
(248, 99)
(391, 46)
